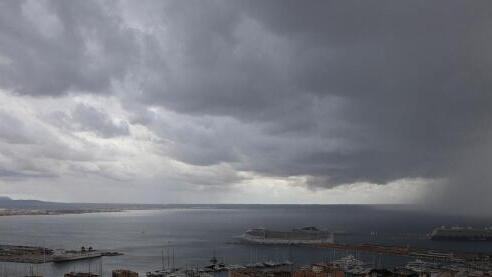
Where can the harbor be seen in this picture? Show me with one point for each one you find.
(313, 237)
(345, 260)
(147, 238)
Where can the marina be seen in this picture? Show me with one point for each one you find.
(349, 265)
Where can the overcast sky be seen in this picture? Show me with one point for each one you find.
(247, 101)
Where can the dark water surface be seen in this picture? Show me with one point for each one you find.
(197, 232)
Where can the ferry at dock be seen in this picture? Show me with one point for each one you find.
(461, 234)
(67, 256)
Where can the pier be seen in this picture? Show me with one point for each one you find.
(25, 254)
(407, 251)
(39, 255)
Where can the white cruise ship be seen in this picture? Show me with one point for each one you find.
(306, 235)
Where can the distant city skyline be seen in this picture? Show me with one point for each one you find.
(247, 102)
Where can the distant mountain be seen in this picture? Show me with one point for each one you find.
(9, 203)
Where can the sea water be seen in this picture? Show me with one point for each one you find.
(190, 235)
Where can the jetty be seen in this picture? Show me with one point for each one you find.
(39, 255)
(407, 251)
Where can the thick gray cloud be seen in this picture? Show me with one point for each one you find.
(339, 91)
(52, 47)
(90, 119)
(412, 77)
(14, 131)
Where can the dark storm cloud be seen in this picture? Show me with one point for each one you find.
(340, 91)
(413, 77)
(52, 47)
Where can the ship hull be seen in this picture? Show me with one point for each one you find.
(69, 258)
(460, 238)
(271, 240)
(256, 240)
(297, 236)
(461, 234)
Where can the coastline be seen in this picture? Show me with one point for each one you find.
(16, 212)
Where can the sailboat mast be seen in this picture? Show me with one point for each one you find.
(162, 258)
(173, 260)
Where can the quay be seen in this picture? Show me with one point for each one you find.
(365, 247)
(24, 254)
(39, 255)
(345, 266)
(407, 251)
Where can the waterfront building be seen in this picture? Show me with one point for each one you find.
(404, 272)
(80, 274)
(259, 273)
(124, 273)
